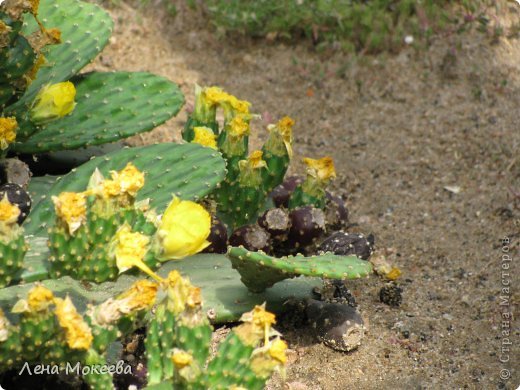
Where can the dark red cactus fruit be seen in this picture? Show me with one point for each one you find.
(281, 193)
(276, 222)
(217, 236)
(252, 237)
(18, 196)
(336, 214)
(341, 243)
(307, 224)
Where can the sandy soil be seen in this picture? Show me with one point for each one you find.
(426, 145)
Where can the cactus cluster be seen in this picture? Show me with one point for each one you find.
(45, 106)
(178, 340)
(45, 329)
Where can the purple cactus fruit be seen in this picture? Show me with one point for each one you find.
(336, 214)
(18, 196)
(217, 236)
(281, 193)
(276, 222)
(341, 243)
(307, 224)
(252, 237)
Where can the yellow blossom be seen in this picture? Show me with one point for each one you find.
(53, 101)
(139, 296)
(8, 212)
(71, 208)
(322, 169)
(183, 229)
(39, 298)
(8, 126)
(130, 249)
(205, 137)
(77, 332)
(238, 127)
(130, 179)
(215, 95)
(181, 358)
(239, 106)
(256, 325)
(277, 350)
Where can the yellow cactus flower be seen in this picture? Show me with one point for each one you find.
(181, 358)
(53, 101)
(77, 332)
(34, 6)
(205, 137)
(277, 350)
(183, 229)
(71, 209)
(322, 169)
(130, 249)
(255, 160)
(8, 126)
(250, 175)
(130, 179)
(8, 212)
(215, 95)
(239, 106)
(256, 325)
(39, 298)
(110, 189)
(238, 127)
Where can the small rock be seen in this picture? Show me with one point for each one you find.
(390, 294)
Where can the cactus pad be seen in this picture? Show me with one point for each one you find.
(110, 106)
(260, 271)
(189, 171)
(84, 35)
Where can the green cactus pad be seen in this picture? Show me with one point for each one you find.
(84, 35)
(223, 293)
(39, 188)
(260, 271)
(188, 171)
(110, 106)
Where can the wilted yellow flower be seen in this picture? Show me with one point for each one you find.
(39, 298)
(8, 212)
(277, 350)
(53, 101)
(34, 6)
(77, 332)
(205, 137)
(183, 229)
(215, 95)
(181, 358)
(238, 127)
(130, 249)
(239, 106)
(256, 325)
(322, 169)
(71, 208)
(110, 189)
(130, 179)
(255, 160)
(140, 295)
(8, 126)
(181, 293)
(250, 174)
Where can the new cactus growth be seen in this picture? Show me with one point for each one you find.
(179, 335)
(53, 110)
(259, 271)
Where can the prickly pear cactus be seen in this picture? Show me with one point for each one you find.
(12, 242)
(259, 271)
(54, 114)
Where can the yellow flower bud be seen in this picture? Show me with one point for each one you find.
(77, 332)
(53, 101)
(183, 229)
(322, 169)
(8, 128)
(205, 137)
(71, 209)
